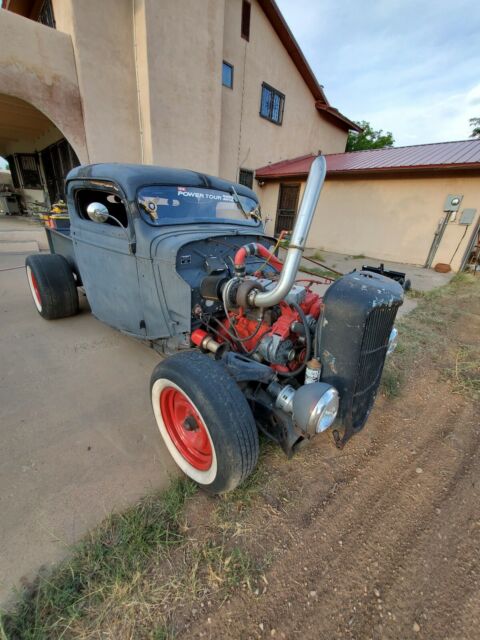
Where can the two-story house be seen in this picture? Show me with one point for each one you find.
(219, 86)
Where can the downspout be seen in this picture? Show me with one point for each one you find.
(316, 178)
(139, 101)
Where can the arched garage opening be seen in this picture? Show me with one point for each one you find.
(38, 154)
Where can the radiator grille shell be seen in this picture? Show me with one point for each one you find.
(360, 311)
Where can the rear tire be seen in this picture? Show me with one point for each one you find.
(52, 285)
(204, 420)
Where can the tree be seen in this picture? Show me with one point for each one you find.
(368, 139)
(475, 124)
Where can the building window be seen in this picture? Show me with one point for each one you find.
(57, 160)
(271, 104)
(245, 177)
(27, 175)
(227, 75)
(45, 15)
(246, 8)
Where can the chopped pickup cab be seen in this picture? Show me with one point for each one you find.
(181, 260)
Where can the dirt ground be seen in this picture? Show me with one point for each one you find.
(378, 541)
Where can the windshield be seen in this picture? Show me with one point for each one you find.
(174, 205)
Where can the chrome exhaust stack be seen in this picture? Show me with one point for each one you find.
(316, 178)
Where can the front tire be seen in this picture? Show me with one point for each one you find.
(52, 285)
(204, 420)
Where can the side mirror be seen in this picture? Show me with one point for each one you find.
(97, 212)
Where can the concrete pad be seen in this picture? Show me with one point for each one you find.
(422, 279)
(23, 229)
(18, 246)
(78, 437)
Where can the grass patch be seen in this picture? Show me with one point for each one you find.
(465, 374)
(432, 330)
(318, 255)
(323, 273)
(392, 381)
(106, 561)
(415, 294)
(359, 256)
(234, 502)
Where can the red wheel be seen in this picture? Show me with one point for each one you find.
(204, 420)
(52, 285)
(186, 428)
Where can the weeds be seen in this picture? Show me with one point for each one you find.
(392, 381)
(415, 294)
(242, 497)
(108, 559)
(465, 374)
(359, 256)
(431, 331)
(323, 273)
(134, 575)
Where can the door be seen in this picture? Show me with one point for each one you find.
(105, 257)
(287, 207)
(57, 160)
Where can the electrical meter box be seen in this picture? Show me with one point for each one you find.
(467, 216)
(452, 202)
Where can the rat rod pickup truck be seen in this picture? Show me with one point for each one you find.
(180, 259)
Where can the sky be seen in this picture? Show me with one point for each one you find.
(405, 66)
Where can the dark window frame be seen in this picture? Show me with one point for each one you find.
(57, 159)
(26, 173)
(246, 16)
(269, 114)
(46, 15)
(119, 210)
(230, 66)
(242, 173)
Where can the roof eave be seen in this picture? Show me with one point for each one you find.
(338, 117)
(332, 173)
(434, 168)
(287, 38)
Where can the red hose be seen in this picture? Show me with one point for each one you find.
(255, 249)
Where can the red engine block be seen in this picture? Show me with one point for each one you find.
(245, 326)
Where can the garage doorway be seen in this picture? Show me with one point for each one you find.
(287, 207)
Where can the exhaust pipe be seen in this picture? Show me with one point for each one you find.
(316, 178)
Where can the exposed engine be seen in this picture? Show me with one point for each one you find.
(300, 359)
(281, 336)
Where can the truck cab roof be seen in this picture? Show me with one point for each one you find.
(131, 177)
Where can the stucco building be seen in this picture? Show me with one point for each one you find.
(418, 204)
(219, 86)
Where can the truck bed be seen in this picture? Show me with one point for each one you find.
(60, 242)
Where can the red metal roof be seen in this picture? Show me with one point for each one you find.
(464, 154)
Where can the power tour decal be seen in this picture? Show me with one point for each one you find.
(219, 197)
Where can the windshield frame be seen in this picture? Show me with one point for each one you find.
(251, 221)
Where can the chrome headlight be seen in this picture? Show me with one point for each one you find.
(315, 407)
(392, 341)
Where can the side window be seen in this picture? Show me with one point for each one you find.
(227, 75)
(245, 177)
(271, 104)
(113, 203)
(246, 9)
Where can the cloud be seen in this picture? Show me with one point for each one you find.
(408, 66)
